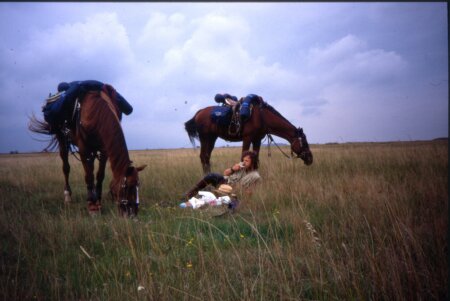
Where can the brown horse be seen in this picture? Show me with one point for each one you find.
(97, 133)
(264, 120)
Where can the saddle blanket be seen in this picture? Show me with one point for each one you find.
(221, 115)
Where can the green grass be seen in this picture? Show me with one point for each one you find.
(367, 221)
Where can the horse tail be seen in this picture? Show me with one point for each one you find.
(42, 127)
(191, 129)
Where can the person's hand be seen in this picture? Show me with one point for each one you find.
(237, 167)
(232, 169)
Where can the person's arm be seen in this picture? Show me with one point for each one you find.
(232, 169)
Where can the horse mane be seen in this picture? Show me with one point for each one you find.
(109, 129)
(271, 109)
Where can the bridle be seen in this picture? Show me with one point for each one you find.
(298, 139)
(125, 189)
(301, 138)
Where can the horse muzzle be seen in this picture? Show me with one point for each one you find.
(307, 158)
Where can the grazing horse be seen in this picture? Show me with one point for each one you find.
(94, 128)
(264, 120)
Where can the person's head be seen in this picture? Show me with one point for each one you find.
(250, 159)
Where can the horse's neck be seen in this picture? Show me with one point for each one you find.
(279, 126)
(110, 132)
(116, 148)
(119, 161)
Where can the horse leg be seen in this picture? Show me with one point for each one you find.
(204, 159)
(256, 147)
(246, 144)
(210, 148)
(207, 145)
(100, 177)
(64, 154)
(87, 158)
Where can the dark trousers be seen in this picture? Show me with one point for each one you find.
(213, 179)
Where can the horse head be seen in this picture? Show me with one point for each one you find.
(128, 192)
(300, 147)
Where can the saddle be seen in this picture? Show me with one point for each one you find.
(233, 113)
(62, 107)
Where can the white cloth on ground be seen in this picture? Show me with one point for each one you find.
(207, 198)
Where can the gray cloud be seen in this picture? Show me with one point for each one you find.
(342, 71)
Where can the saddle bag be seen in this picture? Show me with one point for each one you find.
(123, 105)
(54, 109)
(246, 106)
(221, 98)
(245, 110)
(221, 115)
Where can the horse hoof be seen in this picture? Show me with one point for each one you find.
(94, 213)
(67, 197)
(94, 209)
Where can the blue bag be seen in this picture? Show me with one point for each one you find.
(221, 115)
(54, 109)
(246, 106)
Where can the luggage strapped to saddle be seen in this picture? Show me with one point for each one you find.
(241, 111)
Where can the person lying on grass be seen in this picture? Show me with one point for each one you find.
(241, 176)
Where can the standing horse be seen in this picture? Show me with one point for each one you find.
(263, 120)
(96, 130)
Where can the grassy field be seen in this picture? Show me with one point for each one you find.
(367, 221)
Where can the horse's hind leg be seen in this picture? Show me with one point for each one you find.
(207, 143)
(64, 154)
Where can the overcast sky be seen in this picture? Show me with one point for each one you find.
(342, 71)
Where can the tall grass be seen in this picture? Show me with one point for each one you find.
(366, 221)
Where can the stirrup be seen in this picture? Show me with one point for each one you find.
(238, 129)
(234, 121)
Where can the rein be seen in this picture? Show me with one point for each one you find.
(74, 152)
(269, 136)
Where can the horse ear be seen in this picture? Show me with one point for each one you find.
(140, 168)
